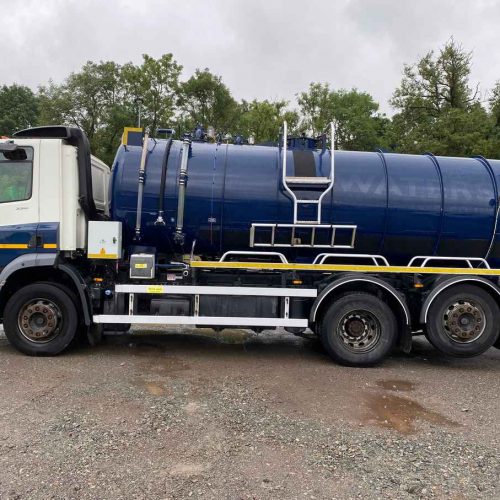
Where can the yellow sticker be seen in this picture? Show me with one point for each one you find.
(155, 289)
(140, 266)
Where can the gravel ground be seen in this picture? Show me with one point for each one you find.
(239, 415)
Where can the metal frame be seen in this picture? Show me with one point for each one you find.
(217, 290)
(330, 180)
(467, 260)
(201, 320)
(320, 258)
(243, 254)
(313, 227)
(198, 320)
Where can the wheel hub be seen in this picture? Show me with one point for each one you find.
(359, 330)
(464, 321)
(39, 320)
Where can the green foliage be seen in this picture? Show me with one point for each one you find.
(103, 98)
(437, 109)
(358, 124)
(153, 87)
(18, 108)
(263, 119)
(204, 99)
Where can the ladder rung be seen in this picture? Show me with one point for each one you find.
(308, 201)
(308, 180)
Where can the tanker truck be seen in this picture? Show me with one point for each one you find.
(362, 249)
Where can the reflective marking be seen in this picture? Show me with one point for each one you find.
(338, 267)
(102, 256)
(50, 245)
(15, 246)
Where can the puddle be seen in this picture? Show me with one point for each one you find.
(396, 385)
(155, 389)
(400, 414)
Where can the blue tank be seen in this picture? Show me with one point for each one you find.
(402, 205)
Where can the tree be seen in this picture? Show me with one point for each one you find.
(204, 99)
(358, 124)
(151, 90)
(18, 108)
(316, 108)
(437, 109)
(493, 144)
(264, 119)
(103, 98)
(93, 100)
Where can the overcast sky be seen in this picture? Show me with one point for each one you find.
(262, 49)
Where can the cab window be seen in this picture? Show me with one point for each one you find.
(16, 174)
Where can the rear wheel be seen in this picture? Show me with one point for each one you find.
(41, 319)
(463, 321)
(358, 329)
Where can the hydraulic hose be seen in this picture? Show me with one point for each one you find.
(160, 221)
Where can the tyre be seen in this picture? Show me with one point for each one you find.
(41, 319)
(463, 321)
(358, 329)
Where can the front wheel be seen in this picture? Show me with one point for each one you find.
(358, 329)
(41, 319)
(463, 321)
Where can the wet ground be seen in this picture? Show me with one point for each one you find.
(239, 415)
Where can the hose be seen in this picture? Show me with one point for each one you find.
(160, 221)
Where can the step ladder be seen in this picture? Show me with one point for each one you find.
(305, 191)
(317, 187)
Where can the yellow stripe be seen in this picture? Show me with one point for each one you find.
(102, 256)
(50, 245)
(339, 267)
(15, 246)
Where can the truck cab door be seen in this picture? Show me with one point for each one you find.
(19, 200)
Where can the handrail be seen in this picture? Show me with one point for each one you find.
(467, 260)
(320, 258)
(283, 173)
(273, 254)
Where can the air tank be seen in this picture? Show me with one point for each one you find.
(401, 205)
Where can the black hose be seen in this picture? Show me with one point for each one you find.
(160, 221)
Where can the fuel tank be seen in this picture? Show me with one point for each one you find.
(402, 205)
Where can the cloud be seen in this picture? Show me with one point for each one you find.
(262, 49)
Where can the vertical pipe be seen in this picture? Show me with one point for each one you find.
(183, 177)
(140, 190)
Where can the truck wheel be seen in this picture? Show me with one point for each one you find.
(41, 319)
(358, 329)
(463, 321)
